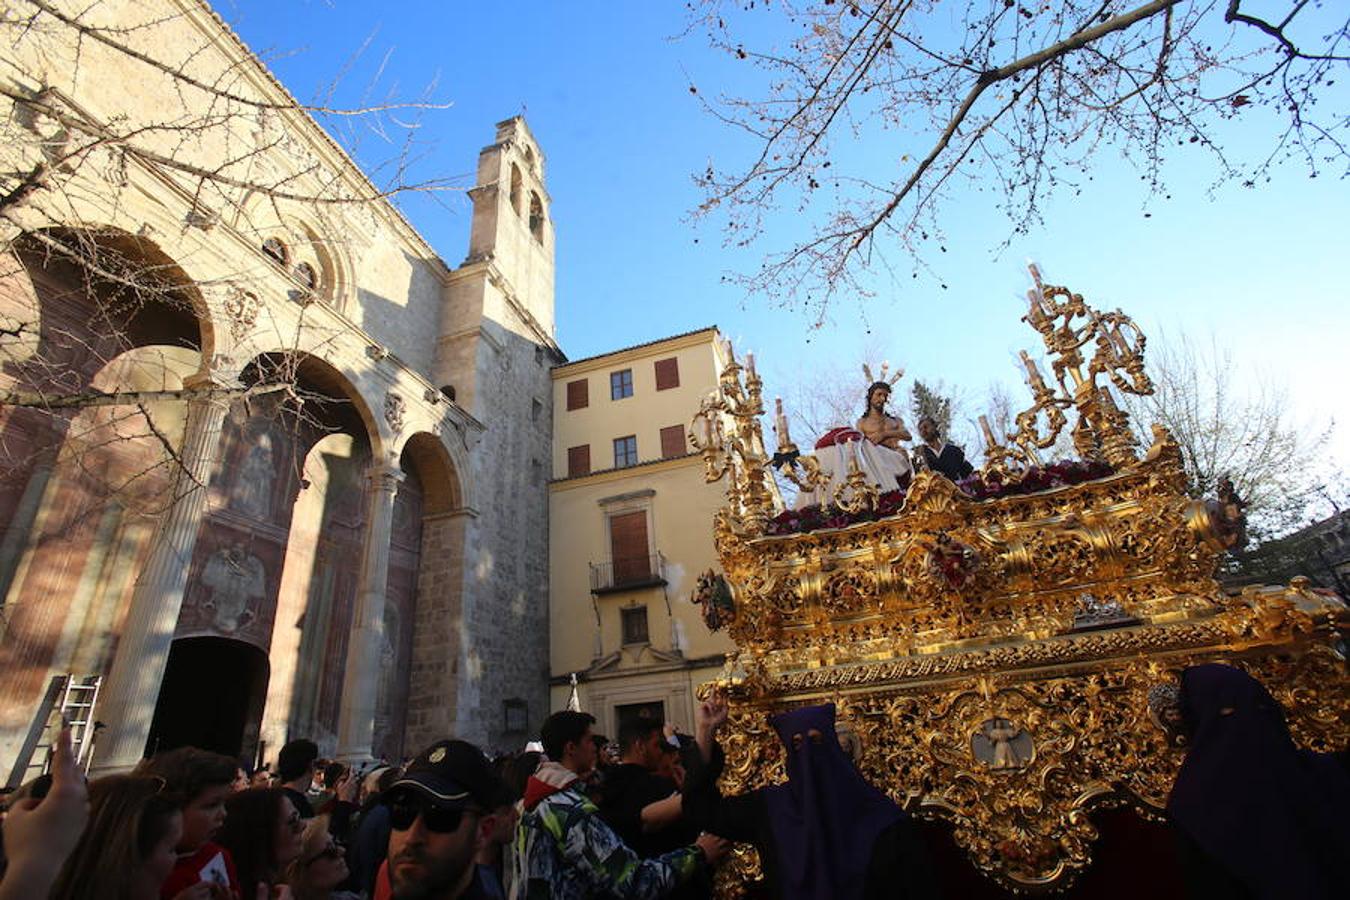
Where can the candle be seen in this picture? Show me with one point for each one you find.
(1035, 274)
(1033, 374)
(1037, 315)
(750, 363)
(988, 433)
(707, 431)
(780, 423)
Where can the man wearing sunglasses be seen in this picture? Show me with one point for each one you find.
(438, 812)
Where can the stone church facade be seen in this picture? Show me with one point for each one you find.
(268, 465)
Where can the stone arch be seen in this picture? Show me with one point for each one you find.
(332, 392)
(434, 635)
(107, 311)
(536, 217)
(517, 190)
(309, 239)
(428, 456)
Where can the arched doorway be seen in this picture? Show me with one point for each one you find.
(211, 697)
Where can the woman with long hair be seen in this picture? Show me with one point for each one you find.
(264, 833)
(127, 849)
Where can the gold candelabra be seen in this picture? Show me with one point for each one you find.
(1070, 328)
(727, 432)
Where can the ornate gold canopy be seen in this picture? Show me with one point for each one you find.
(995, 658)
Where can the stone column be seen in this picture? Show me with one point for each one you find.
(356, 721)
(127, 701)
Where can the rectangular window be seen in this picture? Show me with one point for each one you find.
(515, 715)
(578, 394)
(625, 451)
(620, 384)
(634, 621)
(672, 442)
(628, 548)
(578, 460)
(667, 374)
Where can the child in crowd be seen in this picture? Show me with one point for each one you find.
(201, 782)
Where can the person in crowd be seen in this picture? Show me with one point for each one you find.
(1256, 817)
(340, 807)
(564, 850)
(366, 852)
(641, 804)
(824, 835)
(41, 832)
(129, 846)
(295, 772)
(200, 781)
(492, 855)
(440, 819)
(242, 779)
(321, 868)
(264, 833)
(939, 456)
(330, 775)
(261, 778)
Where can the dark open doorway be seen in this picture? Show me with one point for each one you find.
(211, 697)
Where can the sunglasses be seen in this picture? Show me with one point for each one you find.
(404, 810)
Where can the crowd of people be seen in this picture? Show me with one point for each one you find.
(579, 817)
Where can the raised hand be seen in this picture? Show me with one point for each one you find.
(40, 834)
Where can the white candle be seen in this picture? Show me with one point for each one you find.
(988, 433)
(780, 423)
(707, 431)
(750, 363)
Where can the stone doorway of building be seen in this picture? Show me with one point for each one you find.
(211, 697)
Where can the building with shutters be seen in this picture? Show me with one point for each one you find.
(630, 531)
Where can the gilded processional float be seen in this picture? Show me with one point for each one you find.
(1003, 652)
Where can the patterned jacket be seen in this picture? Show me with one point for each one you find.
(565, 851)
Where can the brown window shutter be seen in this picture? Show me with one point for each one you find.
(578, 394)
(667, 374)
(578, 460)
(672, 442)
(628, 547)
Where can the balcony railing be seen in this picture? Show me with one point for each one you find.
(628, 573)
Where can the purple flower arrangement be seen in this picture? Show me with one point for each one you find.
(1032, 481)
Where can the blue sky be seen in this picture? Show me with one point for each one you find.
(605, 90)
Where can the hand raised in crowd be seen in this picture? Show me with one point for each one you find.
(712, 713)
(41, 833)
(709, 716)
(347, 786)
(713, 847)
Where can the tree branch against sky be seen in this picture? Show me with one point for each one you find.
(1017, 98)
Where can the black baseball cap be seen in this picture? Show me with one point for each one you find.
(452, 773)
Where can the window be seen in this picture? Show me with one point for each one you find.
(536, 217)
(578, 460)
(578, 394)
(672, 442)
(628, 548)
(515, 716)
(667, 374)
(448, 390)
(305, 274)
(276, 251)
(625, 451)
(634, 621)
(620, 384)
(515, 188)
